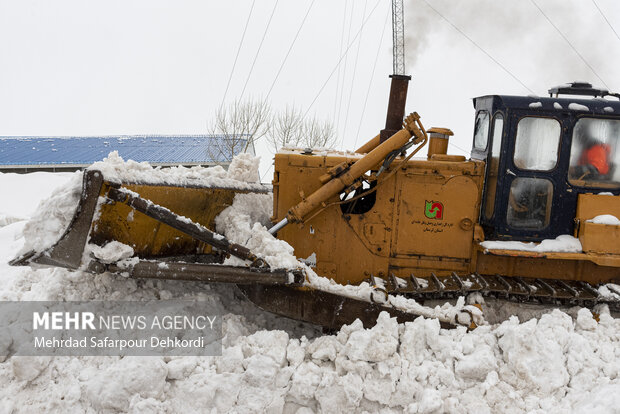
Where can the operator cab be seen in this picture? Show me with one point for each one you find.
(541, 153)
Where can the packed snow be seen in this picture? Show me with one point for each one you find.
(535, 105)
(577, 107)
(240, 175)
(564, 243)
(553, 363)
(605, 219)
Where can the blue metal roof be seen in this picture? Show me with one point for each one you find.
(157, 149)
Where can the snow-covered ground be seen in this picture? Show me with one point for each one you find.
(553, 364)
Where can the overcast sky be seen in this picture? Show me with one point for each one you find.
(161, 67)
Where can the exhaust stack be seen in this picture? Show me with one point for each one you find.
(396, 106)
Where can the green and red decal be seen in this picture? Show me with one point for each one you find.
(433, 210)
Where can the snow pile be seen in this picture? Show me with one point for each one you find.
(114, 168)
(53, 216)
(535, 105)
(605, 219)
(21, 193)
(111, 252)
(6, 219)
(244, 167)
(246, 221)
(552, 364)
(564, 243)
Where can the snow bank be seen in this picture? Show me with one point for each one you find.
(552, 364)
(21, 193)
(564, 243)
(6, 219)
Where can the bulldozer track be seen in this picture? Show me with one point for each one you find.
(555, 292)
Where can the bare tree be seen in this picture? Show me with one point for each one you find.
(241, 123)
(290, 129)
(286, 130)
(319, 134)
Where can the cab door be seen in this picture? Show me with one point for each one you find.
(531, 183)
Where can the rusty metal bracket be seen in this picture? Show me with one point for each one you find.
(203, 272)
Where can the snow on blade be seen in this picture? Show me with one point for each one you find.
(112, 252)
(114, 168)
(54, 214)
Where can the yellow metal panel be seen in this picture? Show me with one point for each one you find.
(150, 238)
(599, 238)
(592, 205)
(436, 214)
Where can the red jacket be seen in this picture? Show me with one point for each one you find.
(597, 156)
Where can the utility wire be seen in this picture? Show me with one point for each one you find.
(340, 60)
(237, 56)
(266, 172)
(289, 49)
(608, 23)
(259, 47)
(478, 46)
(372, 75)
(344, 19)
(357, 54)
(344, 72)
(569, 43)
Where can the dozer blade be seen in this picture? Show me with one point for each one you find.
(326, 309)
(168, 228)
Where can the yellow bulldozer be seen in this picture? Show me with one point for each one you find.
(542, 178)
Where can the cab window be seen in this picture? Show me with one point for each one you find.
(481, 130)
(496, 144)
(529, 205)
(536, 145)
(595, 155)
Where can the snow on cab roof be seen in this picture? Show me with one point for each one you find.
(600, 106)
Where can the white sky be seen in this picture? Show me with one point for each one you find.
(161, 67)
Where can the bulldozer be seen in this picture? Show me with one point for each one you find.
(427, 227)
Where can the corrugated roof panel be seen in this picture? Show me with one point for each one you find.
(86, 150)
